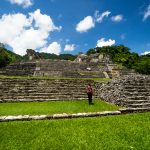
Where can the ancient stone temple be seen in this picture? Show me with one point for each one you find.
(32, 55)
(130, 91)
(92, 66)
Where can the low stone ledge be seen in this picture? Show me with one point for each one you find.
(57, 116)
(41, 117)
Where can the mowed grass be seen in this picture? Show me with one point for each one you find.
(39, 108)
(122, 132)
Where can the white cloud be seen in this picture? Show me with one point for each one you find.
(147, 13)
(145, 53)
(43, 22)
(99, 17)
(101, 42)
(53, 48)
(69, 47)
(117, 18)
(21, 32)
(23, 3)
(85, 24)
(89, 22)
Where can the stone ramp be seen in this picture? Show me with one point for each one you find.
(15, 90)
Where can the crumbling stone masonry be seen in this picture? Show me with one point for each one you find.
(93, 66)
(131, 91)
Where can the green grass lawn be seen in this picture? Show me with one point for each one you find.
(36, 108)
(122, 132)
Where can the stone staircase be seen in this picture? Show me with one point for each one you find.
(137, 93)
(13, 90)
(132, 91)
(19, 69)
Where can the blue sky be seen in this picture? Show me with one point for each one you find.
(73, 26)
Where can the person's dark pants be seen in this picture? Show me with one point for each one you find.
(89, 98)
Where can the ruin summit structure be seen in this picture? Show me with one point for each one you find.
(131, 91)
(94, 65)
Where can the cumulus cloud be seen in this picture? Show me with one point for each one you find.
(22, 32)
(145, 53)
(89, 22)
(101, 42)
(85, 24)
(117, 18)
(99, 17)
(146, 13)
(23, 3)
(53, 48)
(69, 47)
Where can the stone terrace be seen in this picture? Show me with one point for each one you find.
(13, 90)
(63, 68)
(57, 68)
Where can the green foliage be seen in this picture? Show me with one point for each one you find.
(143, 65)
(61, 56)
(5, 57)
(124, 132)
(121, 54)
(67, 57)
(91, 51)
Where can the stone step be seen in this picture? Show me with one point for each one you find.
(131, 110)
(42, 96)
(25, 80)
(137, 83)
(45, 86)
(136, 101)
(136, 90)
(42, 100)
(36, 92)
(59, 81)
(138, 105)
(138, 98)
(136, 87)
(52, 93)
(47, 82)
(43, 90)
(136, 93)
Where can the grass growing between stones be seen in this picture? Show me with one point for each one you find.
(123, 132)
(36, 108)
(54, 78)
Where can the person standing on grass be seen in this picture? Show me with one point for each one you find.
(89, 91)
